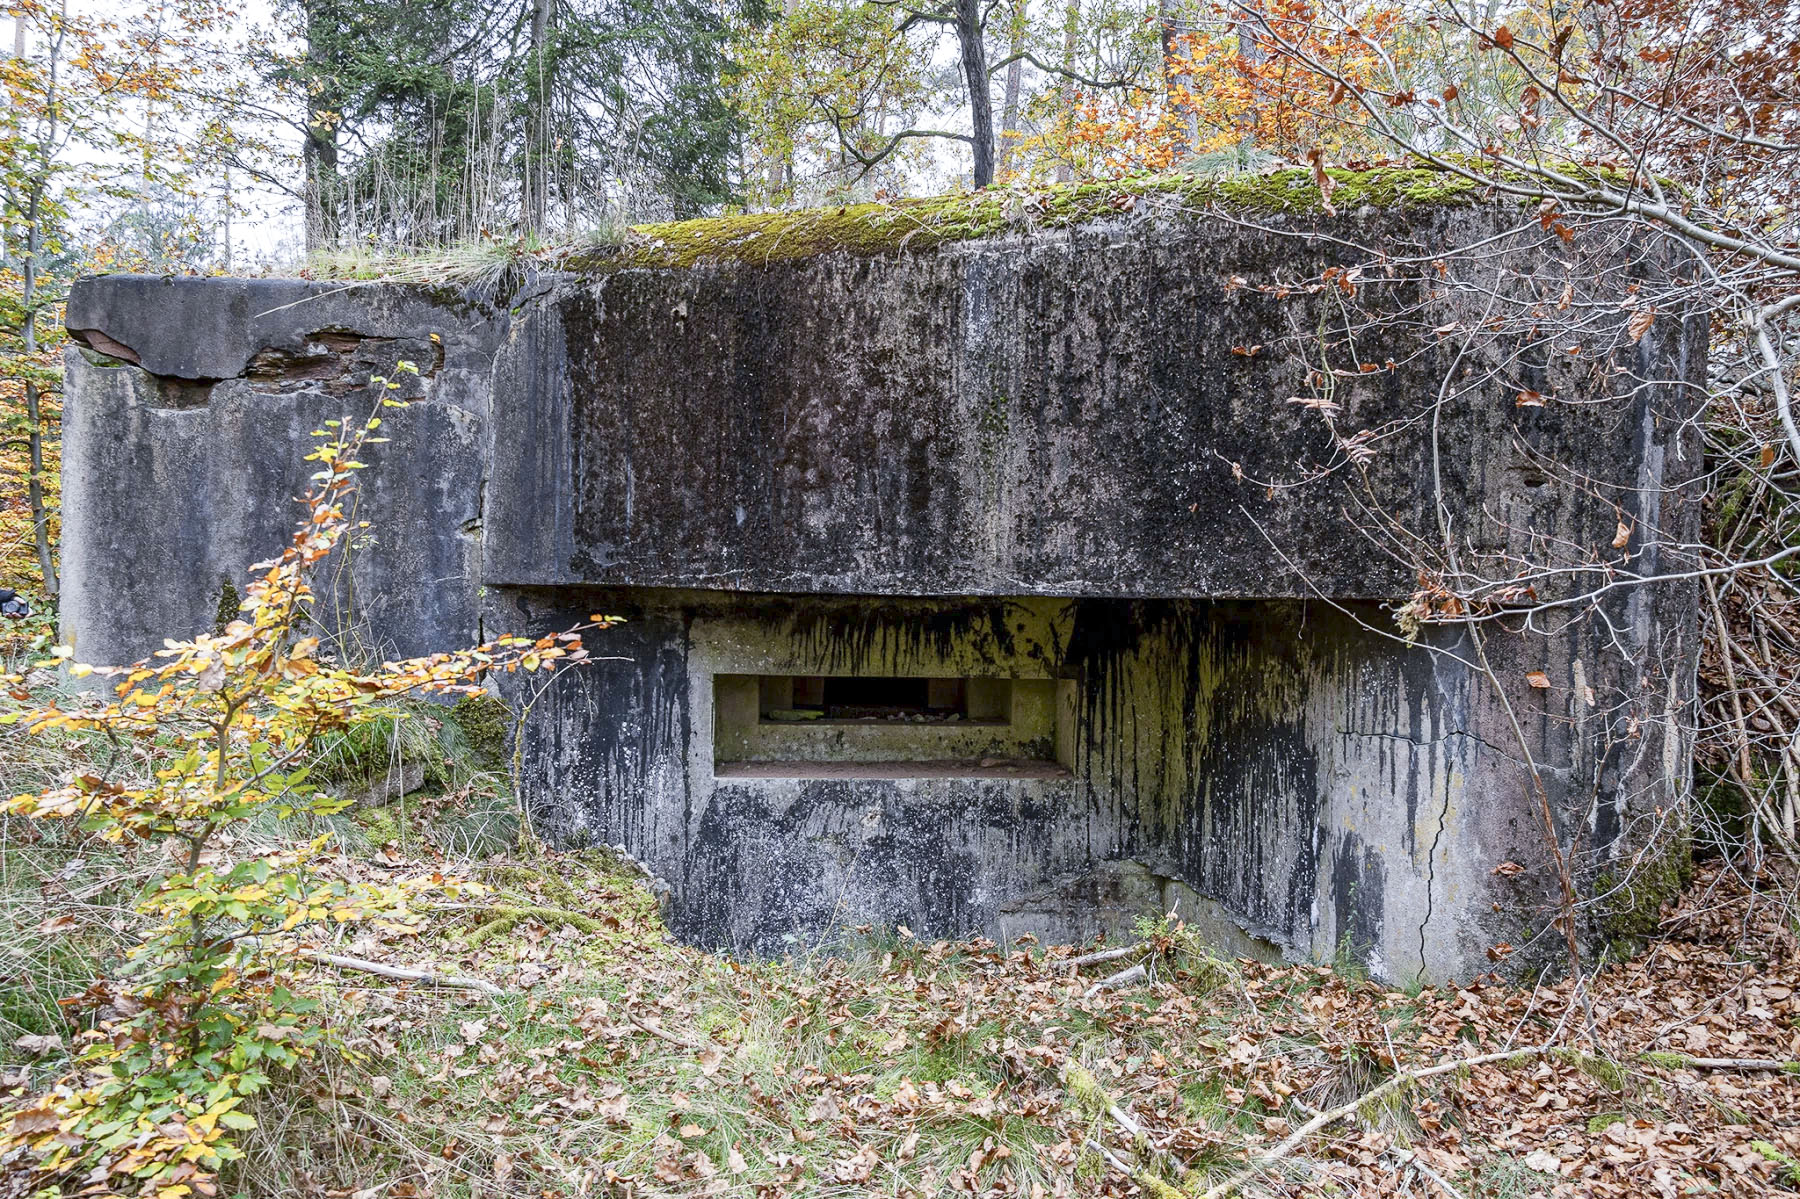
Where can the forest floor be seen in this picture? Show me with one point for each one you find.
(615, 1061)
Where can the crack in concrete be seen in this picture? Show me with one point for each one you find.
(1481, 741)
(1431, 877)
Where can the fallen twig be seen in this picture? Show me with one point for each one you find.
(1298, 1137)
(1136, 973)
(1410, 1160)
(1114, 1160)
(404, 973)
(656, 1030)
(1098, 956)
(1681, 1061)
(1089, 1094)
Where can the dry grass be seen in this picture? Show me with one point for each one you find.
(476, 264)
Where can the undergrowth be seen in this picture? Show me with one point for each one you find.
(619, 1061)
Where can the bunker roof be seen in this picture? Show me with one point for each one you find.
(922, 223)
(925, 222)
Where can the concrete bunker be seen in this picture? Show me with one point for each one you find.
(980, 573)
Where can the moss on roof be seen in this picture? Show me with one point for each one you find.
(918, 224)
(910, 224)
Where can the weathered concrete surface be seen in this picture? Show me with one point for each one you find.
(1068, 448)
(184, 471)
(1094, 411)
(1332, 797)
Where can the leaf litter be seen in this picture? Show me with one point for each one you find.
(623, 1063)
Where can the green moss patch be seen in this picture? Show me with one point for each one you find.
(924, 223)
(230, 605)
(1634, 902)
(484, 723)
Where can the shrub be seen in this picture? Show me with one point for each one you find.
(211, 995)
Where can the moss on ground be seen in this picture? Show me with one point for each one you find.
(503, 918)
(1789, 1166)
(1609, 1074)
(380, 826)
(529, 879)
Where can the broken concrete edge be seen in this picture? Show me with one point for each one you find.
(200, 330)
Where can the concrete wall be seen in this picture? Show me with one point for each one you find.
(1277, 769)
(1047, 456)
(1092, 411)
(184, 447)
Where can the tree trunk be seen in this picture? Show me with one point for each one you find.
(28, 301)
(1009, 117)
(1250, 56)
(319, 156)
(1071, 29)
(319, 152)
(534, 213)
(34, 412)
(1009, 106)
(40, 512)
(981, 102)
(227, 220)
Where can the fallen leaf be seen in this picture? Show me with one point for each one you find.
(1326, 184)
(1538, 679)
(35, 1120)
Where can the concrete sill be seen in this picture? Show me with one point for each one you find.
(878, 722)
(986, 768)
